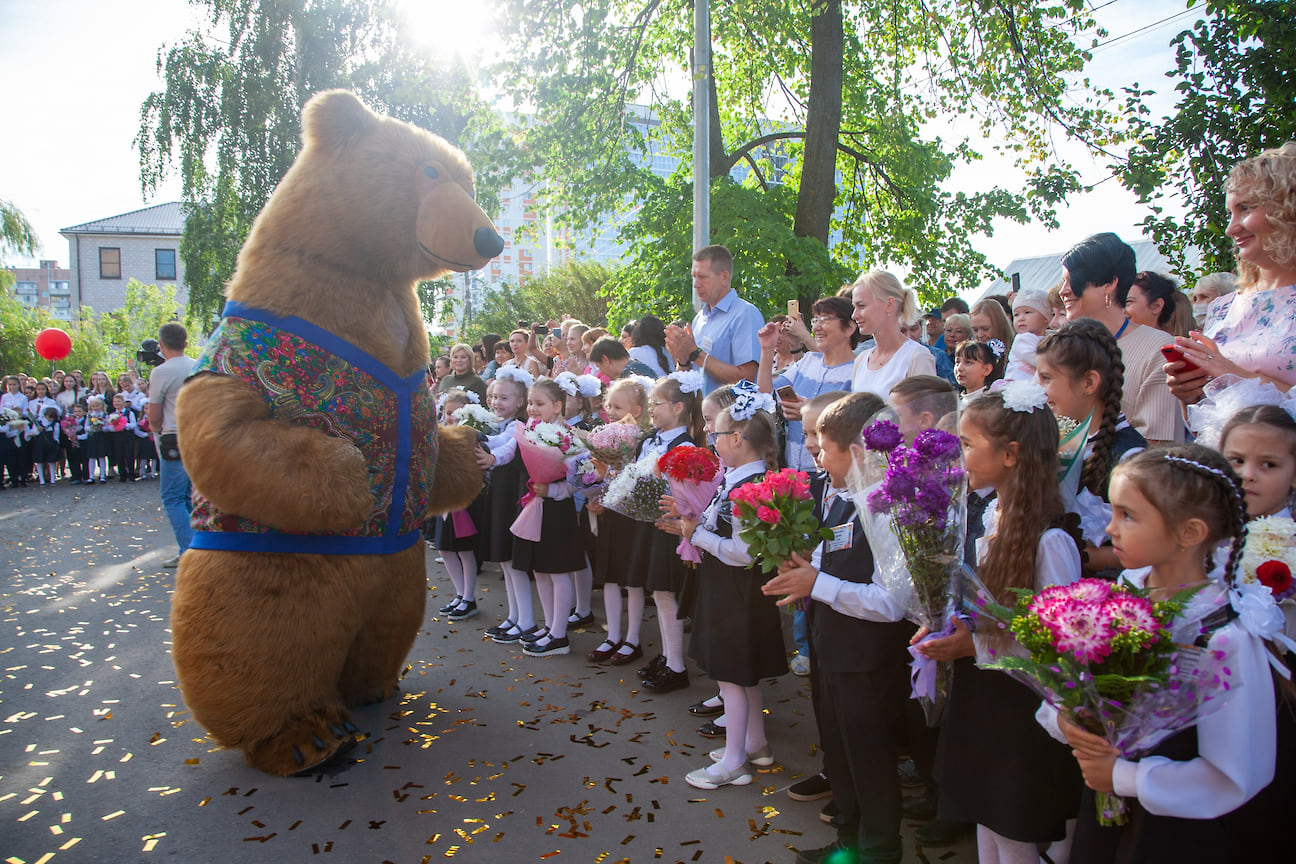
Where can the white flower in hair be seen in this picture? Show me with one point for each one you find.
(690, 380)
(515, 373)
(1024, 396)
(997, 347)
(643, 382)
(589, 385)
(566, 382)
(747, 403)
(472, 397)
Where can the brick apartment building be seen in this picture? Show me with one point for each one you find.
(107, 253)
(48, 286)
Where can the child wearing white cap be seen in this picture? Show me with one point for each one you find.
(1031, 314)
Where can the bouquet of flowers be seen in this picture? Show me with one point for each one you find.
(918, 544)
(69, 427)
(115, 422)
(477, 417)
(95, 424)
(14, 419)
(1104, 653)
(636, 491)
(776, 518)
(1269, 557)
(544, 448)
(583, 478)
(694, 474)
(614, 443)
(142, 423)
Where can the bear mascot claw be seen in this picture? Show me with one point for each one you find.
(312, 444)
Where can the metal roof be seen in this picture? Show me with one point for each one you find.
(1045, 271)
(165, 219)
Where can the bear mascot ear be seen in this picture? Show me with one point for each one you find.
(334, 117)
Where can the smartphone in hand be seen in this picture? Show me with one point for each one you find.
(787, 394)
(1174, 354)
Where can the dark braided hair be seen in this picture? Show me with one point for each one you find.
(1079, 347)
(1190, 481)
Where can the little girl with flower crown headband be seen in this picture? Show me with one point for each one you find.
(1208, 792)
(1023, 793)
(737, 633)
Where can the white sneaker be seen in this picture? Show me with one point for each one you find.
(800, 665)
(171, 563)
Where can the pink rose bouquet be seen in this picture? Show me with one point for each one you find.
(545, 449)
(777, 519)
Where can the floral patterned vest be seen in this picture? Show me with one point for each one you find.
(311, 377)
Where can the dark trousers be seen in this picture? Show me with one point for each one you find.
(123, 453)
(76, 461)
(861, 722)
(11, 454)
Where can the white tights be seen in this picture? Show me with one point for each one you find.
(672, 629)
(518, 588)
(555, 591)
(744, 723)
(995, 849)
(462, 568)
(634, 606)
(583, 580)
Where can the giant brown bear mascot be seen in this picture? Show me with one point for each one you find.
(311, 440)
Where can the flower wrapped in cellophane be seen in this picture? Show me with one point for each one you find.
(614, 444)
(916, 494)
(636, 491)
(545, 449)
(1104, 653)
(694, 474)
(477, 417)
(13, 418)
(776, 518)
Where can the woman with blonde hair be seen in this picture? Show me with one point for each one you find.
(882, 307)
(1251, 333)
(990, 322)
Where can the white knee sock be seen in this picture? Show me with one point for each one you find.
(584, 586)
(672, 629)
(612, 609)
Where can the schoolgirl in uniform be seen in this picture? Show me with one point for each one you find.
(96, 442)
(579, 392)
(507, 399)
(47, 446)
(456, 535)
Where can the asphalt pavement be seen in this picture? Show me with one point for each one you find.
(485, 755)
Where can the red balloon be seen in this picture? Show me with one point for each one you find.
(53, 344)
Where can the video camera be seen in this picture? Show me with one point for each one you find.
(150, 353)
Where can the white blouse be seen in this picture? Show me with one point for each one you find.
(730, 550)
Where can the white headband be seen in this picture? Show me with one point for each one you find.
(515, 373)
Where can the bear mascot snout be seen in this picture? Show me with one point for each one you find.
(311, 440)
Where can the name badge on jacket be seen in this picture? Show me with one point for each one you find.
(843, 537)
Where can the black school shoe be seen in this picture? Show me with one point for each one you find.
(709, 729)
(550, 647)
(575, 621)
(835, 852)
(468, 610)
(667, 680)
(701, 709)
(652, 667)
(450, 607)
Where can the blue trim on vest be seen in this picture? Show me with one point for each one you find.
(404, 389)
(303, 544)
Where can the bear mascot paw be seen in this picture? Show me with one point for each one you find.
(310, 437)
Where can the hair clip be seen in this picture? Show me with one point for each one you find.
(690, 380)
(566, 382)
(515, 373)
(1023, 396)
(589, 385)
(747, 403)
(643, 382)
(997, 347)
(1193, 463)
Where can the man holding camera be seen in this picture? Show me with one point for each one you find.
(164, 385)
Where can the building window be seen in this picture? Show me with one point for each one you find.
(60, 288)
(109, 262)
(164, 263)
(27, 293)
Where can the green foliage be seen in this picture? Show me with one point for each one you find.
(16, 235)
(1236, 91)
(229, 115)
(772, 264)
(903, 65)
(578, 289)
(146, 308)
(19, 325)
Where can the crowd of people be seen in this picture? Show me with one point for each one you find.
(1077, 409)
(62, 428)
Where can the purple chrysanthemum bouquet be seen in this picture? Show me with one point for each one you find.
(916, 494)
(1105, 654)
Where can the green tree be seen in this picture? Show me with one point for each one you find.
(16, 235)
(19, 325)
(578, 289)
(145, 309)
(1236, 91)
(864, 84)
(230, 112)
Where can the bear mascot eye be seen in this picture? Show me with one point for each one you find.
(431, 172)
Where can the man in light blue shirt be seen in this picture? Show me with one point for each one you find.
(722, 340)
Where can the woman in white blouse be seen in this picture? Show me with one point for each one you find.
(882, 307)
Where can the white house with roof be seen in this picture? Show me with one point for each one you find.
(107, 253)
(1045, 271)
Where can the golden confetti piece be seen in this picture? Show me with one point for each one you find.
(203, 803)
(786, 831)
(113, 815)
(690, 842)
(193, 761)
(127, 758)
(69, 844)
(551, 854)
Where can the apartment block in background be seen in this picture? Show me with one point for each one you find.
(48, 286)
(107, 253)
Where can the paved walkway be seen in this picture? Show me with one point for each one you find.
(486, 755)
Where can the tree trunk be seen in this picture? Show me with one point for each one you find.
(823, 125)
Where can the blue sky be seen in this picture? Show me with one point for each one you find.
(77, 71)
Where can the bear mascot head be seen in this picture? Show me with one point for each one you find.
(311, 441)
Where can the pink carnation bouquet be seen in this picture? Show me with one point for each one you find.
(545, 449)
(1103, 653)
(613, 443)
(776, 518)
